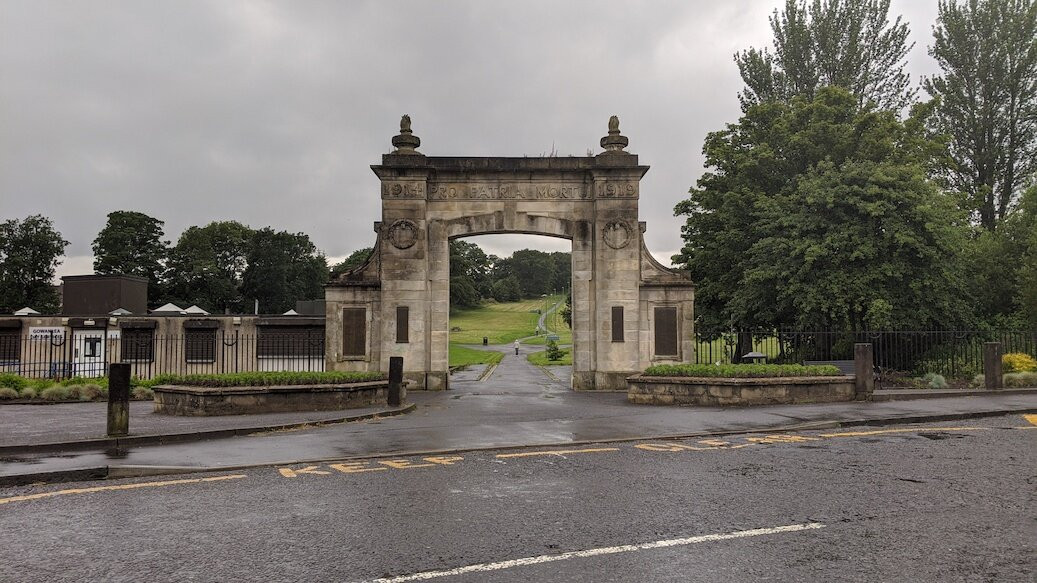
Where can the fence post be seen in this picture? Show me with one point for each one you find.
(992, 365)
(396, 393)
(118, 399)
(864, 370)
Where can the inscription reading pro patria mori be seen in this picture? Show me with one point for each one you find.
(496, 191)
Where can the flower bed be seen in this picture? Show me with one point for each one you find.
(740, 371)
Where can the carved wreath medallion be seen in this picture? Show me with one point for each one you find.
(403, 234)
(617, 234)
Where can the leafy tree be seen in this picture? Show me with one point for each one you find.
(507, 289)
(846, 43)
(563, 271)
(355, 259)
(819, 213)
(567, 310)
(1025, 227)
(131, 244)
(206, 265)
(282, 269)
(987, 94)
(30, 251)
(534, 270)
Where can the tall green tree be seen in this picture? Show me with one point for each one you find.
(206, 264)
(846, 43)
(1025, 229)
(282, 269)
(30, 251)
(131, 244)
(819, 213)
(354, 260)
(987, 95)
(469, 274)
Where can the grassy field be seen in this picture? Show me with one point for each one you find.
(556, 324)
(501, 323)
(462, 356)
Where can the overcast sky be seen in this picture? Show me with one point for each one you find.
(271, 113)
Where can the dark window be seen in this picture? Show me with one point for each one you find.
(617, 323)
(666, 331)
(138, 345)
(402, 324)
(200, 345)
(91, 347)
(291, 341)
(354, 332)
(10, 345)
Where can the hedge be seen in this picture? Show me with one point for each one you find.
(264, 379)
(742, 370)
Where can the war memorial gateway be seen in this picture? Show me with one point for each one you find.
(629, 311)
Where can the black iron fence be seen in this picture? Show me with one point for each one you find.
(88, 353)
(956, 354)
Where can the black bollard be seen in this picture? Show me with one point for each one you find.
(118, 399)
(395, 396)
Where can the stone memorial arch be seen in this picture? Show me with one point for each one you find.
(628, 310)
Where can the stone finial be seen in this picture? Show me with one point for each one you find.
(614, 142)
(405, 142)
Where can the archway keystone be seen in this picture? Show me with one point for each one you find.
(628, 310)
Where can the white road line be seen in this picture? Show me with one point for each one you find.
(483, 567)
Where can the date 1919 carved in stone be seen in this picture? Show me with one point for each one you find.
(403, 234)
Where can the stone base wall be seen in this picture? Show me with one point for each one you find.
(727, 392)
(204, 401)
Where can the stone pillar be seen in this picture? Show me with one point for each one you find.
(864, 370)
(118, 399)
(992, 372)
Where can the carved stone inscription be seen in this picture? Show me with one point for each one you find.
(497, 191)
(403, 190)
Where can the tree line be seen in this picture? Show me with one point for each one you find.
(842, 199)
(476, 277)
(226, 266)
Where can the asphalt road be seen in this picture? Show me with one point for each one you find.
(941, 502)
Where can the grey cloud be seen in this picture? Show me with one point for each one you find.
(271, 112)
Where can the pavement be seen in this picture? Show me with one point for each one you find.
(949, 502)
(515, 405)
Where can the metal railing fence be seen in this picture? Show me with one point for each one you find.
(954, 354)
(88, 353)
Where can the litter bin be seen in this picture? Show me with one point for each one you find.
(485, 341)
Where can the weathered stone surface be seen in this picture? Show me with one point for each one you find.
(721, 392)
(591, 201)
(200, 401)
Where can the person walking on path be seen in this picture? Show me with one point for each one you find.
(516, 347)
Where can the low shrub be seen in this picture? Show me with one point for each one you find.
(934, 381)
(55, 393)
(29, 392)
(1018, 362)
(142, 393)
(978, 381)
(264, 379)
(7, 394)
(79, 381)
(742, 370)
(89, 392)
(13, 381)
(1020, 380)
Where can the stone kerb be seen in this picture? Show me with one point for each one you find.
(726, 392)
(205, 401)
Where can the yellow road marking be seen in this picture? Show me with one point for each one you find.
(911, 430)
(119, 487)
(1031, 419)
(556, 452)
(404, 464)
(355, 467)
(290, 473)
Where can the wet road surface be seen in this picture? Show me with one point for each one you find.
(940, 502)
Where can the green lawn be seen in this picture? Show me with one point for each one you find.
(463, 356)
(540, 358)
(501, 323)
(556, 324)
